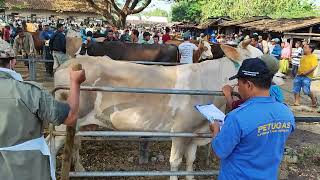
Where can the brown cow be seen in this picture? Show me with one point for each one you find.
(38, 43)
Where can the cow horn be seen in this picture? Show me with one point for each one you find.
(245, 43)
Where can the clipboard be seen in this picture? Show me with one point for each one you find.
(211, 113)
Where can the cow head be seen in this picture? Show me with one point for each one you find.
(242, 52)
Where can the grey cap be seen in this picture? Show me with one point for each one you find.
(6, 50)
(271, 62)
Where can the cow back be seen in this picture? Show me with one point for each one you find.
(133, 52)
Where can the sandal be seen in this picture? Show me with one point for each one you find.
(314, 105)
(296, 104)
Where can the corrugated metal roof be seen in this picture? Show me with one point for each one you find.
(242, 21)
(281, 25)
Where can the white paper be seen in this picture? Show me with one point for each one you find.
(211, 112)
(34, 144)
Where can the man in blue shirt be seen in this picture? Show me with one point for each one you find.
(276, 51)
(45, 37)
(252, 140)
(58, 46)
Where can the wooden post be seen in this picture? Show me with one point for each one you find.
(291, 45)
(67, 153)
(310, 31)
(68, 147)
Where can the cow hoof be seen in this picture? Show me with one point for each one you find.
(190, 178)
(79, 168)
(173, 178)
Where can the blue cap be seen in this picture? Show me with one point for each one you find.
(252, 68)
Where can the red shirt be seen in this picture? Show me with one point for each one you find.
(165, 38)
(6, 34)
(236, 104)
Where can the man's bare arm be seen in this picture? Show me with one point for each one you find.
(76, 78)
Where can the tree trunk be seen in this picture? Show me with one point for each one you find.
(123, 19)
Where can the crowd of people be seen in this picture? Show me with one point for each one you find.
(53, 35)
(250, 144)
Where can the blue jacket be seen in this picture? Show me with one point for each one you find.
(277, 51)
(58, 42)
(46, 35)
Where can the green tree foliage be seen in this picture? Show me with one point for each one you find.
(186, 11)
(116, 11)
(156, 12)
(238, 9)
(1, 4)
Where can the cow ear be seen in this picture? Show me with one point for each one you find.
(230, 52)
(244, 44)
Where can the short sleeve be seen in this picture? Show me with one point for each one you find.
(227, 139)
(195, 48)
(52, 110)
(314, 61)
(42, 104)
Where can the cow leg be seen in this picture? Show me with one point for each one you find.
(54, 146)
(177, 151)
(143, 152)
(190, 155)
(76, 155)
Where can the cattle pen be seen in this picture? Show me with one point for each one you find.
(71, 133)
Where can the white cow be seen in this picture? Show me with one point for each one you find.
(154, 112)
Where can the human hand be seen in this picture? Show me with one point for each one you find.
(77, 76)
(215, 128)
(227, 90)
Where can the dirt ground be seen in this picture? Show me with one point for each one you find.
(123, 156)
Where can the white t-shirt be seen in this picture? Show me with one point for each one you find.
(296, 53)
(186, 50)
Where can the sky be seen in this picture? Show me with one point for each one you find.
(167, 6)
(160, 4)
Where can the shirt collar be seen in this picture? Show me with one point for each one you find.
(262, 99)
(11, 74)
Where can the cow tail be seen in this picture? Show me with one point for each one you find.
(178, 54)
